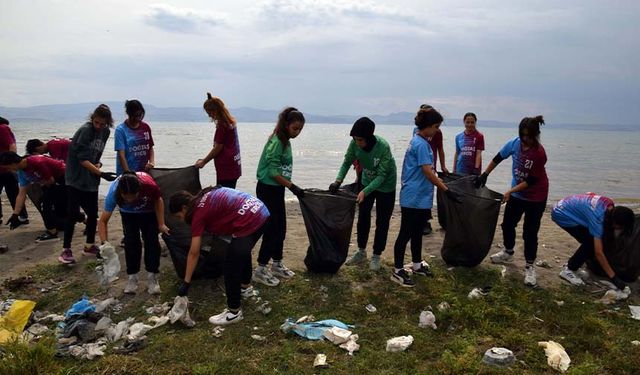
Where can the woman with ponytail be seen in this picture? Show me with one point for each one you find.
(274, 174)
(527, 196)
(142, 213)
(226, 147)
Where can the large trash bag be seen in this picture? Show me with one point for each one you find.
(12, 323)
(623, 256)
(170, 181)
(329, 221)
(442, 215)
(471, 224)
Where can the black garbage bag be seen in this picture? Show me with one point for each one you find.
(623, 256)
(471, 224)
(442, 214)
(170, 181)
(329, 221)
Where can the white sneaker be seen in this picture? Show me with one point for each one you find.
(152, 283)
(281, 270)
(570, 276)
(263, 275)
(501, 257)
(248, 292)
(359, 257)
(375, 264)
(226, 317)
(530, 276)
(132, 284)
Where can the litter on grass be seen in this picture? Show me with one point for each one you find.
(557, 357)
(399, 344)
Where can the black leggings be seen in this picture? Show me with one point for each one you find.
(88, 200)
(237, 267)
(411, 225)
(275, 229)
(134, 224)
(384, 209)
(532, 215)
(54, 205)
(9, 182)
(227, 183)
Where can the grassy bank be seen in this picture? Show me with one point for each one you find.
(596, 337)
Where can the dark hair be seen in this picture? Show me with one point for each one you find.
(128, 183)
(184, 198)
(10, 157)
(624, 217)
(218, 112)
(426, 118)
(133, 106)
(469, 114)
(426, 106)
(4, 121)
(285, 118)
(532, 125)
(32, 145)
(103, 112)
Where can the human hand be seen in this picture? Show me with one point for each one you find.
(163, 229)
(445, 170)
(481, 180)
(296, 190)
(360, 197)
(615, 280)
(200, 163)
(109, 176)
(183, 290)
(506, 196)
(333, 188)
(149, 166)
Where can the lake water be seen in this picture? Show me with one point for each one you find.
(606, 162)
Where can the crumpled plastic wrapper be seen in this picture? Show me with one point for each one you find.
(614, 295)
(557, 357)
(399, 344)
(108, 271)
(427, 319)
(180, 311)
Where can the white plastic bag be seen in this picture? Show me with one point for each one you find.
(108, 271)
(427, 319)
(557, 357)
(399, 344)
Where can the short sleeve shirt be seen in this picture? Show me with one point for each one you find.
(467, 146)
(59, 148)
(40, 168)
(149, 194)
(527, 163)
(416, 190)
(587, 210)
(136, 144)
(228, 166)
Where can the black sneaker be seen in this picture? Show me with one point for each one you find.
(402, 277)
(424, 270)
(427, 230)
(46, 236)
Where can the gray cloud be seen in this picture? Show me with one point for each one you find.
(181, 20)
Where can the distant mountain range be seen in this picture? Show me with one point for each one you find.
(80, 111)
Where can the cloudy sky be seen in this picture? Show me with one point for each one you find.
(574, 61)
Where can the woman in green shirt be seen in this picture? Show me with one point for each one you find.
(274, 174)
(379, 185)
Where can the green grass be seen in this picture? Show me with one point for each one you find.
(596, 337)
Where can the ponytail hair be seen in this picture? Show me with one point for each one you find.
(133, 106)
(427, 117)
(104, 112)
(10, 157)
(128, 183)
(218, 112)
(184, 198)
(288, 116)
(532, 125)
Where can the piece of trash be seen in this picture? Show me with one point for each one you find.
(427, 319)
(503, 272)
(635, 312)
(399, 344)
(320, 361)
(131, 346)
(102, 305)
(311, 330)
(443, 306)
(80, 307)
(476, 293)
(115, 333)
(499, 357)
(103, 324)
(158, 309)
(217, 331)
(37, 329)
(370, 308)
(538, 319)
(66, 341)
(557, 357)
(351, 345)
(337, 335)
(614, 295)
(306, 318)
(324, 289)
(264, 308)
(108, 271)
(258, 337)
(559, 303)
(180, 311)
(543, 264)
(635, 343)
(87, 351)
(15, 319)
(158, 321)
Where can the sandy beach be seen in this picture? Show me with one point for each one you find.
(555, 246)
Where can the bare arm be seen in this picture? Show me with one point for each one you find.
(192, 258)
(443, 164)
(20, 199)
(159, 208)
(602, 259)
(283, 181)
(431, 176)
(91, 167)
(492, 165)
(455, 161)
(123, 160)
(478, 160)
(152, 160)
(102, 225)
(521, 186)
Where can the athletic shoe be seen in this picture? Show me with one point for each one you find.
(23, 220)
(427, 230)
(263, 275)
(359, 257)
(570, 276)
(132, 284)
(530, 276)
(375, 265)
(402, 277)
(152, 283)
(66, 257)
(47, 236)
(501, 257)
(248, 292)
(281, 270)
(226, 317)
(424, 270)
(92, 250)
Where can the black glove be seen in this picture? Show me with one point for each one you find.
(109, 176)
(14, 222)
(333, 188)
(618, 282)
(183, 290)
(453, 196)
(481, 180)
(296, 191)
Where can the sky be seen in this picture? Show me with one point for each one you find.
(574, 61)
